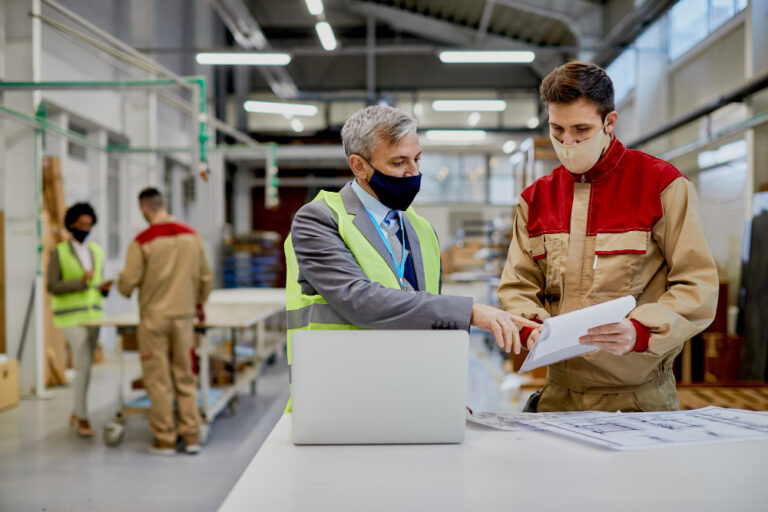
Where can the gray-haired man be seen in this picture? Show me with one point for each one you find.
(363, 258)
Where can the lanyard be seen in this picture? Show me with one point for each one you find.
(401, 267)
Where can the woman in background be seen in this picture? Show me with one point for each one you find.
(75, 278)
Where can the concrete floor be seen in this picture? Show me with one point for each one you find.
(44, 467)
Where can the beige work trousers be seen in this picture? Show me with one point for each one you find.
(165, 345)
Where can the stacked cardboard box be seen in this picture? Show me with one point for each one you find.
(9, 383)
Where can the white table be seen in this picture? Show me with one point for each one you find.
(500, 471)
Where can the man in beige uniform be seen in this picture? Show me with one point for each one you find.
(607, 223)
(167, 263)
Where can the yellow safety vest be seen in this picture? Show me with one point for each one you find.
(312, 312)
(76, 308)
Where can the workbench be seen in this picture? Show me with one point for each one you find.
(497, 470)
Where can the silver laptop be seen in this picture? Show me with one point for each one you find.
(379, 387)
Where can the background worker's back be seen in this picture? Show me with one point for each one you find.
(167, 263)
(174, 276)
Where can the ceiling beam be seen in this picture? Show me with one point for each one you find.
(629, 28)
(248, 34)
(449, 33)
(485, 20)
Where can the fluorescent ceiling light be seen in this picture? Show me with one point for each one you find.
(473, 119)
(532, 123)
(244, 59)
(481, 57)
(325, 33)
(509, 146)
(273, 107)
(456, 135)
(297, 125)
(315, 7)
(469, 105)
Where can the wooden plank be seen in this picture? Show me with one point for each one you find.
(739, 397)
(2, 282)
(55, 343)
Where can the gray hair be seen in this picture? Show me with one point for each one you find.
(366, 127)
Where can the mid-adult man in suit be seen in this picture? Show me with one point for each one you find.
(363, 258)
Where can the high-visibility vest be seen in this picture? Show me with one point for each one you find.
(312, 312)
(75, 308)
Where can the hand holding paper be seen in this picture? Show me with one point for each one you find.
(618, 339)
(560, 336)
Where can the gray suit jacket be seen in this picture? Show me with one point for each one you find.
(327, 267)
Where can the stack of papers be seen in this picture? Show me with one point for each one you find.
(638, 430)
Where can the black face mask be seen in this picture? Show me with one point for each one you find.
(393, 192)
(79, 234)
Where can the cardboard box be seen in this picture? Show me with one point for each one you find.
(9, 383)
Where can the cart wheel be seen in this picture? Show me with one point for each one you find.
(113, 433)
(203, 433)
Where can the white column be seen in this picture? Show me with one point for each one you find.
(242, 208)
(22, 56)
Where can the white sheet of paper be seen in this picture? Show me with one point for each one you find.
(559, 338)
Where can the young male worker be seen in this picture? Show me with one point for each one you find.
(607, 223)
(167, 264)
(363, 258)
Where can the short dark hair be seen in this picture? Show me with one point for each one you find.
(574, 80)
(76, 210)
(152, 198)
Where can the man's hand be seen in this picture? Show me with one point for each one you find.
(106, 285)
(200, 313)
(618, 339)
(533, 336)
(504, 326)
(87, 276)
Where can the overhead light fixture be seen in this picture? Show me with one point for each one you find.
(509, 146)
(532, 123)
(273, 107)
(243, 59)
(487, 57)
(325, 33)
(455, 135)
(297, 125)
(473, 119)
(315, 7)
(469, 105)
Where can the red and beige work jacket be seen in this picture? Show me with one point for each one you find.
(629, 226)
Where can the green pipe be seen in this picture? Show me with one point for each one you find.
(138, 149)
(111, 84)
(20, 115)
(85, 84)
(202, 135)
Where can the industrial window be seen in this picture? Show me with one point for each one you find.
(690, 21)
(623, 73)
(75, 149)
(501, 181)
(453, 178)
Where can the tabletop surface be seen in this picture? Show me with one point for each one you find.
(509, 470)
(226, 308)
